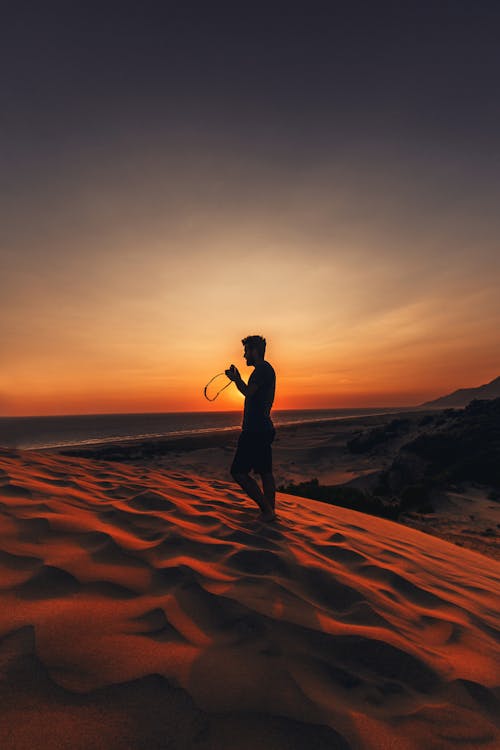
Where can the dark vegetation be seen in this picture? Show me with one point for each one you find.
(370, 439)
(447, 448)
(140, 450)
(346, 497)
(463, 446)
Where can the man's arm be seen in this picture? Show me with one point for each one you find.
(245, 388)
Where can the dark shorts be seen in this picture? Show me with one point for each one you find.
(254, 452)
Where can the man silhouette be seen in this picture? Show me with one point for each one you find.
(254, 449)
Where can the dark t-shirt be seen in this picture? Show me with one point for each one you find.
(256, 414)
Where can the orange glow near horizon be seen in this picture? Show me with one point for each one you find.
(120, 303)
(394, 359)
(156, 354)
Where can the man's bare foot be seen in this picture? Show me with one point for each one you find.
(269, 515)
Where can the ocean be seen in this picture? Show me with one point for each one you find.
(85, 429)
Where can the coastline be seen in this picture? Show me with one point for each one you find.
(94, 430)
(201, 438)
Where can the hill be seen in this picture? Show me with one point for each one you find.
(464, 396)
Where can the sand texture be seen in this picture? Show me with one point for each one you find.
(149, 608)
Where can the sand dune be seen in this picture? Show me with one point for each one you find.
(150, 609)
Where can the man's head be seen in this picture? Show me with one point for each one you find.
(255, 348)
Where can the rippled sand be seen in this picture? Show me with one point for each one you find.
(142, 608)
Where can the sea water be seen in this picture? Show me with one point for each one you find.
(85, 429)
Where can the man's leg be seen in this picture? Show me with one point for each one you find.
(269, 487)
(242, 463)
(253, 490)
(266, 469)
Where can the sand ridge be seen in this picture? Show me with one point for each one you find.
(144, 606)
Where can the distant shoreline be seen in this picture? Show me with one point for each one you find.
(195, 440)
(55, 433)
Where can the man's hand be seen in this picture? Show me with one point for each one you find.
(233, 373)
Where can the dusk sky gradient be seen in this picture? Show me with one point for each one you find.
(176, 175)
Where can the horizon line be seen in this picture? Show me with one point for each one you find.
(187, 411)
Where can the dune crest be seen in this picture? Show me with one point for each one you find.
(158, 601)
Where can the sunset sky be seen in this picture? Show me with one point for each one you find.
(175, 176)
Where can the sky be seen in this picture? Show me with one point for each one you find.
(177, 175)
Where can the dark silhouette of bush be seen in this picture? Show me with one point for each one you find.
(466, 448)
(369, 439)
(428, 419)
(415, 495)
(460, 445)
(345, 497)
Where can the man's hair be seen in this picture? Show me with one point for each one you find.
(255, 342)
